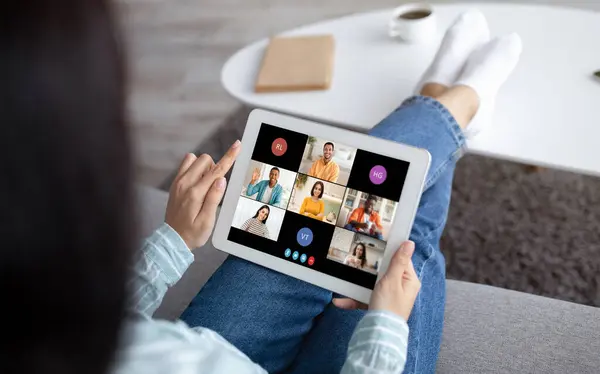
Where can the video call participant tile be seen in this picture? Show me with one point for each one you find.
(357, 251)
(307, 236)
(327, 160)
(268, 184)
(367, 214)
(380, 175)
(258, 218)
(317, 199)
(279, 147)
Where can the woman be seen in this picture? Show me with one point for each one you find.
(257, 225)
(68, 230)
(313, 205)
(358, 258)
(454, 102)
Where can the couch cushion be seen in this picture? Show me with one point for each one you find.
(492, 330)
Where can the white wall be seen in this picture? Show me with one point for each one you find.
(342, 239)
(247, 208)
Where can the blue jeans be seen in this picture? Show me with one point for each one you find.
(289, 326)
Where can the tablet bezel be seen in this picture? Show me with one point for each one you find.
(418, 158)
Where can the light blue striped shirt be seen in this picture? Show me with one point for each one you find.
(378, 344)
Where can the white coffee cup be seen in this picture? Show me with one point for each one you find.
(413, 23)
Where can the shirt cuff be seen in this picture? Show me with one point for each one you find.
(381, 339)
(169, 252)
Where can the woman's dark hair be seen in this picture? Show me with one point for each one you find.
(268, 212)
(66, 208)
(312, 191)
(363, 258)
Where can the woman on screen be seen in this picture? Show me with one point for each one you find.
(257, 225)
(313, 205)
(358, 258)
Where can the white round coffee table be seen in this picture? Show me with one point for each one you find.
(548, 113)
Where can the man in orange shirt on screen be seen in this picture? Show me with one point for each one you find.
(366, 220)
(325, 168)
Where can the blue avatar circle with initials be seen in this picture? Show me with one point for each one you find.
(304, 237)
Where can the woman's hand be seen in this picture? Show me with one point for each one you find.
(195, 195)
(397, 290)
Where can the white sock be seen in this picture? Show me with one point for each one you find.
(469, 31)
(486, 70)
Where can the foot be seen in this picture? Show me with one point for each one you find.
(469, 32)
(485, 72)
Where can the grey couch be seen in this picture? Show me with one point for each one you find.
(487, 329)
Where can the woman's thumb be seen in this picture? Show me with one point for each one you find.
(401, 260)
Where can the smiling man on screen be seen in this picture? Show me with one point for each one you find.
(325, 168)
(267, 191)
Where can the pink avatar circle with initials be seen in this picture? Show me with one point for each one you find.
(279, 147)
(378, 174)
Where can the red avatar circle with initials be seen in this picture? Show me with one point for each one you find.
(279, 147)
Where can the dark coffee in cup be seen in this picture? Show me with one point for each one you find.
(415, 14)
(413, 23)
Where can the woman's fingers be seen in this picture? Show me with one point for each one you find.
(222, 167)
(199, 168)
(207, 214)
(351, 304)
(401, 260)
(196, 194)
(188, 160)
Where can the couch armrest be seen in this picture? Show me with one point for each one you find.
(492, 330)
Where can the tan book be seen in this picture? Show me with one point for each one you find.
(297, 64)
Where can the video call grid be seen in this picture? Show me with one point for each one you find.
(298, 147)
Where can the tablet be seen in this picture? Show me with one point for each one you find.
(318, 203)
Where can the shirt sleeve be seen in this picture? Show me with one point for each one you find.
(353, 216)
(160, 264)
(252, 189)
(155, 346)
(246, 225)
(379, 345)
(303, 206)
(335, 173)
(321, 207)
(313, 169)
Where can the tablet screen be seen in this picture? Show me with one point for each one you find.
(318, 203)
